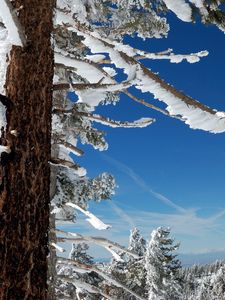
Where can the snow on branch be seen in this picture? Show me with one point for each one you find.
(124, 91)
(92, 219)
(91, 268)
(84, 68)
(110, 87)
(80, 284)
(167, 54)
(149, 105)
(71, 147)
(181, 9)
(68, 164)
(192, 112)
(60, 249)
(174, 58)
(143, 122)
(11, 21)
(95, 240)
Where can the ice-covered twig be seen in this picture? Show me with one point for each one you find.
(92, 219)
(11, 21)
(174, 58)
(60, 249)
(75, 238)
(91, 268)
(85, 286)
(143, 122)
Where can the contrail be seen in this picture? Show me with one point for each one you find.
(121, 213)
(141, 183)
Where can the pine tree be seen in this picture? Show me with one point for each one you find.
(25, 182)
(81, 47)
(162, 267)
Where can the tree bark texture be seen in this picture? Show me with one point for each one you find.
(25, 178)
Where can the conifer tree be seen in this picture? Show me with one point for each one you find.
(85, 33)
(162, 267)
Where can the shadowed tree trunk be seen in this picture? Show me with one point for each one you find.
(25, 182)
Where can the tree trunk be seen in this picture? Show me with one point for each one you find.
(25, 183)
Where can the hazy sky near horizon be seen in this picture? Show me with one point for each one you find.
(167, 173)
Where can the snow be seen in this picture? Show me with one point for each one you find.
(110, 71)
(60, 249)
(140, 123)
(95, 58)
(83, 68)
(195, 117)
(92, 219)
(3, 121)
(5, 47)
(114, 254)
(200, 5)
(11, 22)
(4, 149)
(180, 8)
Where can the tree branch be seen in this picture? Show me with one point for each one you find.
(91, 239)
(90, 268)
(12, 23)
(84, 285)
(74, 149)
(67, 164)
(193, 113)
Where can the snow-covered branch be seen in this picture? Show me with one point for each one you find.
(90, 268)
(11, 21)
(75, 238)
(112, 87)
(60, 249)
(193, 113)
(73, 149)
(68, 164)
(173, 58)
(143, 122)
(149, 105)
(80, 284)
(92, 219)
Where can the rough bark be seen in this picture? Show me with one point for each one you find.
(25, 182)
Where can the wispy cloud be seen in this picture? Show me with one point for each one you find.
(142, 184)
(122, 214)
(199, 232)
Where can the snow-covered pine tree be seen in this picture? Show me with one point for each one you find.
(128, 270)
(162, 267)
(26, 177)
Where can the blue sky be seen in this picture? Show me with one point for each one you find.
(167, 173)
